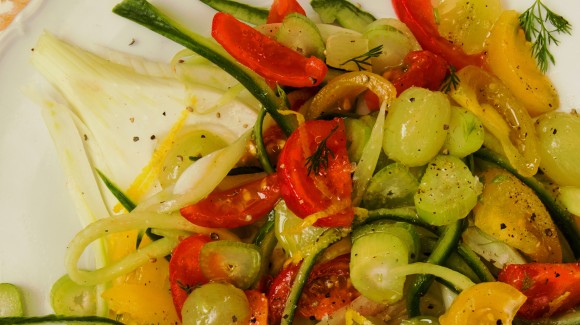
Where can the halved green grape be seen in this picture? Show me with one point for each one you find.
(10, 301)
(291, 235)
(559, 146)
(466, 133)
(233, 262)
(392, 187)
(72, 299)
(447, 192)
(188, 147)
(216, 303)
(416, 126)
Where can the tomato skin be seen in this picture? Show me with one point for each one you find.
(184, 269)
(328, 288)
(331, 188)
(268, 58)
(281, 8)
(423, 69)
(279, 291)
(258, 307)
(551, 288)
(236, 207)
(418, 16)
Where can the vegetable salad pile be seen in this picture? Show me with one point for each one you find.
(325, 170)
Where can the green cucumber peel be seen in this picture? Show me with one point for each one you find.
(242, 11)
(147, 15)
(58, 319)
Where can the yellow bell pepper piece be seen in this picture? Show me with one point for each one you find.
(509, 57)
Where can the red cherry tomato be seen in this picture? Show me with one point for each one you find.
(268, 58)
(184, 270)
(279, 292)
(418, 16)
(551, 288)
(236, 207)
(328, 288)
(281, 8)
(421, 69)
(258, 307)
(311, 183)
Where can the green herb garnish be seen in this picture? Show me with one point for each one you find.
(451, 80)
(363, 59)
(319, 158)
(540, 25)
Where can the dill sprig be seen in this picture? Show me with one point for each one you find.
(363, 59)
(319, 159)
(451, 80)
(540, 24)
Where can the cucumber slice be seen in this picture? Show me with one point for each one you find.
(343, 12)
(299, 33)
(72, 299)
(404, 231)
(357, 135)
(10, 301)
(59, 319)
(447, 192)
(395, 46)
(392, 187)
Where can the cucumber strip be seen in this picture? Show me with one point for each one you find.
(147, 15)
(242, 11)
(563, 219)
(454, 262)
(260, 146)
(404, 214)
(344, 13)
(327, 238)
(445, 246)
(475, 263)
(58, 319)
(266, 242)
(10, 301)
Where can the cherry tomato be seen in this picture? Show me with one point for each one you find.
(328, 288)
(421, 69)
(258, 307)
(265, 56)
(281, 8)
(551, 288)
(279, 291)
(418, 16)
(184, 269)
(314, 172)
(236, 207)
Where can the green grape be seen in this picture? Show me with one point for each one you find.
(559, 139)
(416, 126)
(216, 303)
(466, 133)
(187, 148)
(447, 192)
(391, 187)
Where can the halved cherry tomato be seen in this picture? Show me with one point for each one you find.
(279, 291)
(423, 69)
(328, 288)
(419, 17)
(314, 172)
(184, 269)
(268, 58)
(258, 307)
(236, 207)
(551, 288)
(281, 8)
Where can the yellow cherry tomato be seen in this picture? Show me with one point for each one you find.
(487, 303)
(510, 58)
(502, 115)
(511, 212)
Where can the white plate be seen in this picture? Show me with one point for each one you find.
(37, 218)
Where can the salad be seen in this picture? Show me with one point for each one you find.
(359, 170)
